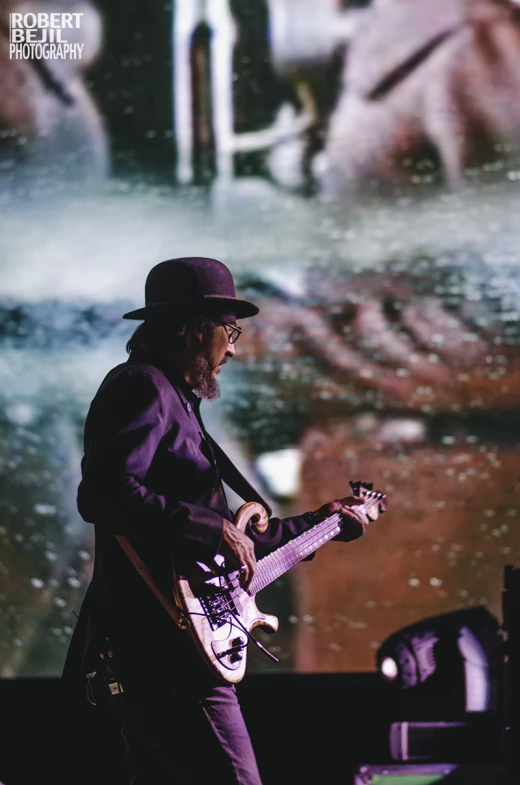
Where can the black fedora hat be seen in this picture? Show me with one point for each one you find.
(189, 285)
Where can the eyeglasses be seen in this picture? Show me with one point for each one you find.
(234, 331)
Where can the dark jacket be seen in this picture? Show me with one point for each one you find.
(152, 473)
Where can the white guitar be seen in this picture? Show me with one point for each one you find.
(220, 614)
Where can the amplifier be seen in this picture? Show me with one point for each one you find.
(403, 774)
(430, 741)
(430, 773)
(478, 740)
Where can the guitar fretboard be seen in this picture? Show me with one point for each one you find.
(280, 561)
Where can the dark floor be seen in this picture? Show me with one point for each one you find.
(306, 729)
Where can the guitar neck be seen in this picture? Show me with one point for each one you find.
(283, 559)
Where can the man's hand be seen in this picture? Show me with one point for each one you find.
(355, 519)
(239, 550)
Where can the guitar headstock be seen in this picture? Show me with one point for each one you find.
(375, 501)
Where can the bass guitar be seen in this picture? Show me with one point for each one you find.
(220, 614)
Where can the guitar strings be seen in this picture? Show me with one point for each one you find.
(263, 579)
(266, 570)
(264, 564)
(232, 588)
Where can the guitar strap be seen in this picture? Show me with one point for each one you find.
(170, 607)
(234, 478)
(226, 468)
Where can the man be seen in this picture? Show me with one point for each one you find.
(153, 475)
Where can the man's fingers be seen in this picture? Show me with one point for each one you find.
(347, 501)
(239, 551)
(353, 512)
(247, 567)
(246, 574)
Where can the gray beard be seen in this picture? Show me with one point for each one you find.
(205, 385)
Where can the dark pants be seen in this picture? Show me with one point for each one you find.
(194, 736)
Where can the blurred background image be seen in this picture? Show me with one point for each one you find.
(357, 167)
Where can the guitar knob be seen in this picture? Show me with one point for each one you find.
(236, 657)
(237, 643)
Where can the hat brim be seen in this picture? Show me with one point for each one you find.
(229, 305)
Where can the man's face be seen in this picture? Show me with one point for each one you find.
(218, 348)
(215, 351)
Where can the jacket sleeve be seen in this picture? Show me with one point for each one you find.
(126, 422)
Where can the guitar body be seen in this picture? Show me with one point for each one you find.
(221, 614)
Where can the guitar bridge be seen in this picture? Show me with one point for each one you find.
(217, 605)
